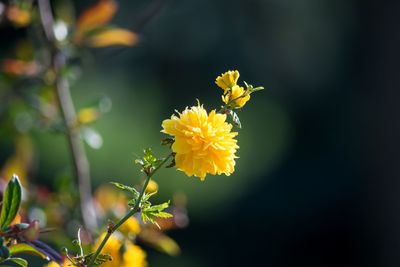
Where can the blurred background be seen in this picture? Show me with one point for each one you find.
(317, 182)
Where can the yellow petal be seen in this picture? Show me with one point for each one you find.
(203, 143)
(227, 80)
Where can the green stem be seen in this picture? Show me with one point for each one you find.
(135, 209)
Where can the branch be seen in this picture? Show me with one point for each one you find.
(79, 158)
(135, 209)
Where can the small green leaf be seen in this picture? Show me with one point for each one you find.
(25, 248)
(150, 213)
(18, 261)
(252, 89)
(11, 202)
(101, 258)
(235, 119)
(167, 141)
(172, 164)
(259, 88)
(127, 188)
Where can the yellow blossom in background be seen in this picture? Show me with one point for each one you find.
(131, 226)
(111, 248)
(203, 142)
(18, 16)
(152, 187)
(227, 80)
(88, 115)
(238, 95)
(109, 199)
(133, 256)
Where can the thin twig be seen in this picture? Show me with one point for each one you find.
(79, 158)
(148, 16)
(132, 212)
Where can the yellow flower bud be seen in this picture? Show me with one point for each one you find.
(236, 97)
(227, 80)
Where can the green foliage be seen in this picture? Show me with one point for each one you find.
(14, 261)
(25, 248)
(100, 259)
(132, 190)
(150, 213)
(167, 141)
(4, 252)
(252, 89)
(148, 162)
(11, 202)
(235, 119)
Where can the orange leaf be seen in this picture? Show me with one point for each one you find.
(20, 68)
(97, 15)
(19, 17)
(113, 37)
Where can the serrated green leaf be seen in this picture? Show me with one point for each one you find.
(132, 202)
(11, 202)
(127, 188)
(25, 248)
(163, 214)
(149, 213)
(101, 258)
(159, 207)
(18, 261)
(149, 156)
(147, 196)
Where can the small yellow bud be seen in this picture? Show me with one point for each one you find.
(152, 187)
(236, 97)
(227, 80)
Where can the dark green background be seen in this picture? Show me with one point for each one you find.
(317, 181)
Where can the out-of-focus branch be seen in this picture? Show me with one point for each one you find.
(79, 158)
(151, 12)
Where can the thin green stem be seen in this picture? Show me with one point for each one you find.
(135, 209)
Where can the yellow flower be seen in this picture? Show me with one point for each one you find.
(130, 226)
(227, 80)
(134, 256)
(111, 248)
(237, 94)
(203, 143)
(152, 187)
